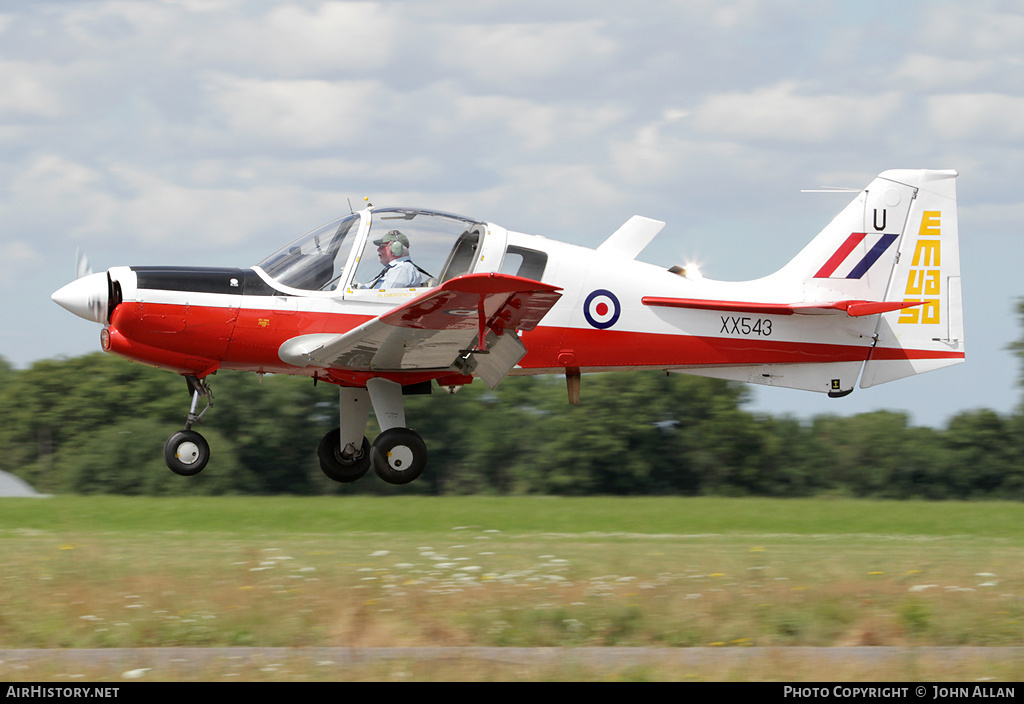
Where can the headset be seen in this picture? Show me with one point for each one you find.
(397, 246)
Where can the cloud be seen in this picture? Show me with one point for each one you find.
(511, 125)
(28, 91)
(313, 41)
(59, 199)
(782, 113)
(977, 116)
(298, 113)
(517, 55)
(961, 30)
(51, 193)
(926, 72)
(157, 212)
(551, 200)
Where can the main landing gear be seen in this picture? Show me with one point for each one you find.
(187, 452)
(398, 455)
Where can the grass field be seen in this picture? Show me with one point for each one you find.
(120, 572)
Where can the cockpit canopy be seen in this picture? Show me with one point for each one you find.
(315, 261)
(338, 254)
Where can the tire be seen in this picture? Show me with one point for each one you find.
(186, 453)
(399, 455)
(337, 467)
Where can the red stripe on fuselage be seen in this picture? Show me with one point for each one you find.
(191, 339)
(612, 348)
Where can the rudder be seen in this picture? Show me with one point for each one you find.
(930, 335)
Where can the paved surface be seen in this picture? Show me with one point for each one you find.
(194, 658)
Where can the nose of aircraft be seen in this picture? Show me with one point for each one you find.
(85, 297)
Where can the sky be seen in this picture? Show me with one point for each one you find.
(212, 132)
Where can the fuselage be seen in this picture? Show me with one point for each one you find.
(614, 312)
(384, 302)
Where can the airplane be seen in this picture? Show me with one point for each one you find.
(875, 296)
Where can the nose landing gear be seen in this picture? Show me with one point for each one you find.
(187, 452)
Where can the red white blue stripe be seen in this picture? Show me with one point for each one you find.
(850, 261)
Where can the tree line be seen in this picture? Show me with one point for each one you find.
(97, 424)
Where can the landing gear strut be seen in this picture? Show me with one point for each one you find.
(187, 452)
(397, 456)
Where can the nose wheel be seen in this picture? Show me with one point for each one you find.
(187, 453)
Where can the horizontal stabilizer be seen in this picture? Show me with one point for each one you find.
(854, 309)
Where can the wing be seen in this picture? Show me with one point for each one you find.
(852, 308)
(468, 324)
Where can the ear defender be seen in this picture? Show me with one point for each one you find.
(396, 248)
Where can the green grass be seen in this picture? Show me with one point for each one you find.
(102, 572)
(650, 516)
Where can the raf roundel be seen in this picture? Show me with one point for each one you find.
(602, 309)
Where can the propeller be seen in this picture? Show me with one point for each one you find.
(82, 268)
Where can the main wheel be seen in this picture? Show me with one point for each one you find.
(399, 455)
(186, 453)
(338, 467)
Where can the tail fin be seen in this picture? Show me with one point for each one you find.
(853, 257)
(927, 270)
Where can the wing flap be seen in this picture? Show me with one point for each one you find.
(443, 328)
(456, 304)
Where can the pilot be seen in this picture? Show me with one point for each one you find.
(398, 271)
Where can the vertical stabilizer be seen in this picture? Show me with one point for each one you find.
(854, 256)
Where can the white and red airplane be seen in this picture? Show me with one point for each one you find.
(875, 295)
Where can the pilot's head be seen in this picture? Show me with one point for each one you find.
(391, 246)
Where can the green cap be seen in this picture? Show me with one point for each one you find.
(393, 236)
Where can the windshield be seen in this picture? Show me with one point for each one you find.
(315, 261)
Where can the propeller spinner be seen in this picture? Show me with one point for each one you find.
(86, 297)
